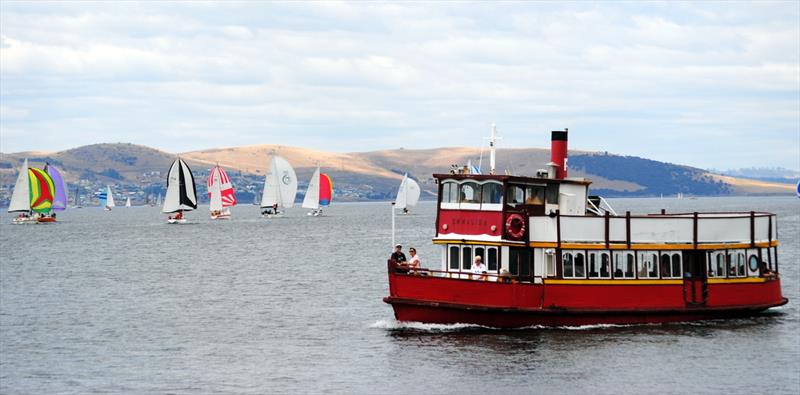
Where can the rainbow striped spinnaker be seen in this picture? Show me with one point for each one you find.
(42, 190)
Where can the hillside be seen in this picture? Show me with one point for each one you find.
(140, 171)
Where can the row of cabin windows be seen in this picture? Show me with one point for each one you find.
(652, 264)
(598, 264)
(472, 192)
(460, 258)
(736, 263)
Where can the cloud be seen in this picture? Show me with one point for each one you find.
(660, 80)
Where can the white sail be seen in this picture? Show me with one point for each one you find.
(128, 202)
(20, 198)
(408, 194)
(312, 194)
(216, 197)
(280, 184)
(181, 193)
(109, 198)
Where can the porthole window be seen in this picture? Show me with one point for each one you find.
(753, 263)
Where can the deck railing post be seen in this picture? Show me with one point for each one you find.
(607, 228)
(694, 230)
(753, 229)
(628, 229)
(558, 228)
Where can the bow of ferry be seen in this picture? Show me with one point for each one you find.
(556, 256)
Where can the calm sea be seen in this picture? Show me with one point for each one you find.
(119, 302)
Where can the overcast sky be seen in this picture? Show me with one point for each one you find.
(698, 83)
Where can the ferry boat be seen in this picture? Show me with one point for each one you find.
(555, 256)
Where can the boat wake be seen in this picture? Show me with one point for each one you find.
(394, 325)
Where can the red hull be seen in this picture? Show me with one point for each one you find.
(440, 300)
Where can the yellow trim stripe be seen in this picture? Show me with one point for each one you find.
(736, 280)
(652, 282)
(617, 246)
(477, 242)
(613, 282)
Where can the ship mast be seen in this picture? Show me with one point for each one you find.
(492, 142)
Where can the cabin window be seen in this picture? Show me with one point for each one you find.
(599, 264)
(718, 265)
(534, 195)
(736, 264)
(450, 192)
(551, 195)
(551, 264)
(454, 254)
(753, 262)
(515, 195)
(648, 264)
(567, 265)
(470, 192)
(624, 264)
(491, 259)
(519, 262)
(466, 258)
(670, 265)
(492, 193)
(580, 265)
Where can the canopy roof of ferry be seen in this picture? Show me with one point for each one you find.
(510, 178)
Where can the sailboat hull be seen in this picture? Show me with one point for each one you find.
(173, 221)
(23, 221)
(221, 216)
(46, 220)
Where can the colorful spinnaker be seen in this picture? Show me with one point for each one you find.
(41, 190)
(220, 190)
(60, 194)
(325, 190)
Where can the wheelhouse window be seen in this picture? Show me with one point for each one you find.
(736, 263)
(551, 194)
(599, 264)
(470, 192)
(492, 193)
(515, 195)
(534, 195)
(450, 192)
(624, 264)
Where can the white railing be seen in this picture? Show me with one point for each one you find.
(691, 228)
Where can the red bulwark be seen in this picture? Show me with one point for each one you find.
(467, 222)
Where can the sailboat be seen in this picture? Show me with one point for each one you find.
(60, 193)
(181, 192)
(107, 199)
(280, 187)
(158, 200)
(319, 193)
(77, 198)
(407, 195)
(221, 194)
(33, 192)
(128, 202)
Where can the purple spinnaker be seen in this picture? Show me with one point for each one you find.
(60, 198)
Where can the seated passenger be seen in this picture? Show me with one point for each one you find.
(479, 268)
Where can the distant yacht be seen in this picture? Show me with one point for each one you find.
(280, 187)
(107, 199)
(407, 195)
(33, 193)
(220, 193)
(128, 202)
(181, 192)
(319, 193)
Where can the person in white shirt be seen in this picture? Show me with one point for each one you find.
(413, 262)
(479, 268)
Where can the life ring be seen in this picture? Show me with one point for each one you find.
(515, 226)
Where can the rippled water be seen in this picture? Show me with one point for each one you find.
(120, 302)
